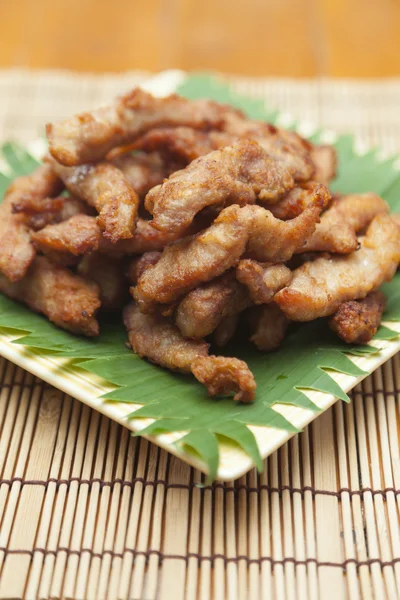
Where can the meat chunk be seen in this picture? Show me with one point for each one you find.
(339, 225)
(109, 274)
(88, 137)
(273, 240)
(159, 340)
(237, 174)
(357, 321)
(137, 266)
(106, 188)
(194, 260)
(225, 331)
(156, 338)
(68, 300)
(222, 375)
(324, 158)
(69, 239)
(47, 211)
(319, 287)
(143, 171)
(205, 307)
(288, 148)
(16, 250)
(269, 325)
(262, 280)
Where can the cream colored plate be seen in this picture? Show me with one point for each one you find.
(88, 388)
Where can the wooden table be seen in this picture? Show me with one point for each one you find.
(257, 37)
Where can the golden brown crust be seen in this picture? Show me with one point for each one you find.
(89, 137)
(262, 280)
(320, 286)
(357, 321)
(109, 274)
(156, 338)
(273, 240)
(339, 225)
(195, 260)
(223, 375)
(205, 307)
(75, 237)
(16, 250)
(47, 211)
(269, 326)
(106, 188)
(237, 174)
(69, 301)
(138, 265)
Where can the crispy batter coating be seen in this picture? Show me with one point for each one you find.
(223, 375)
(143, 171)
(324, 157)
(203, 309)
(16, 250)
(236, 174)
(194, 260)
(339, 225)
(138, 265)
(319, 287)
(156, 338)
(106, 188)
(273, 240)
(357, 321)
(225, 330)
(269, 325)
(47, 211)
(263, 280)
(396, 218)
(68, 300)
(64, 241)
(90, 136)
(109, 274)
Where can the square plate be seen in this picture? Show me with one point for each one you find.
(86, 387)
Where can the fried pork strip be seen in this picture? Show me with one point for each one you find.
(106, 188)
(339, 225)
(68, 300)
(319, 287)
(157, 339)
(39, 212)
(143, 171)
(273, 240)
(269, 325)
(357, 321)
(263, 280)
(325, 160)
(65, 241)
(204, 308)
(200, 258)
(194, 260)
(137, 266)
(16, 250)
(88, 137)
(225, 331)
(109, 274)
(236, 174)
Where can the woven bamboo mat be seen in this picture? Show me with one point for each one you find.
(86, 511)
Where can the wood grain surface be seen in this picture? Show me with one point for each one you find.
(252, 37)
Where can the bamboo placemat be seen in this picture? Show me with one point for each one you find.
(86, 511)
